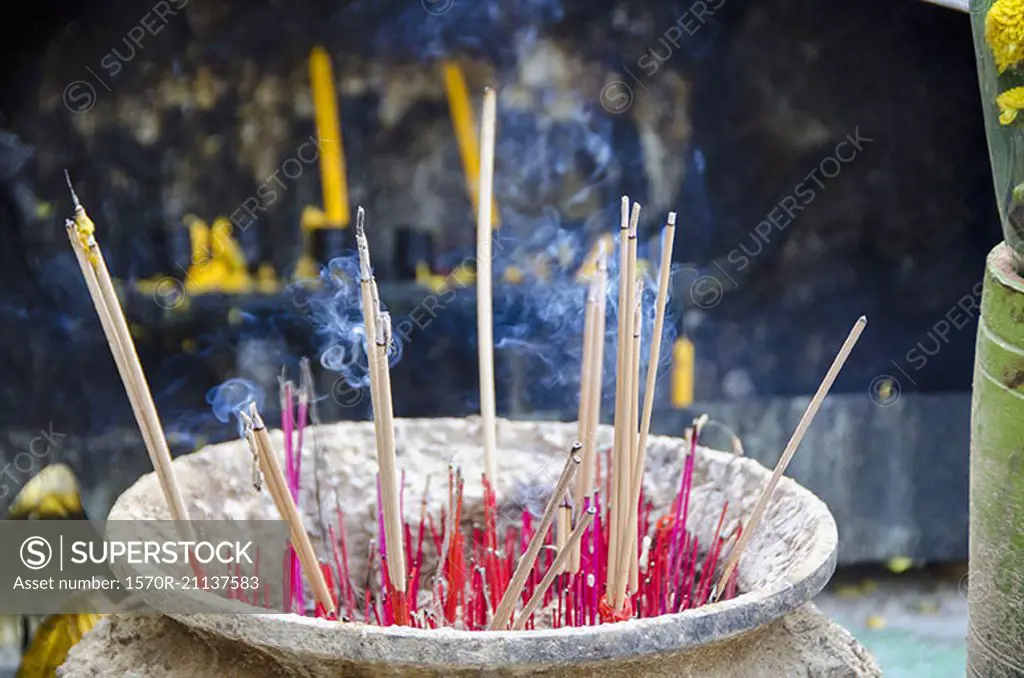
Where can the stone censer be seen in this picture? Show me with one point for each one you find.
(770, 629)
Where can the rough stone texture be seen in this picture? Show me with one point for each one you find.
(788, 560)
(802, 644)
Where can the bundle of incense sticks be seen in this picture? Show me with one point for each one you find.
(611, 558)
(480, 567)
(82, 235)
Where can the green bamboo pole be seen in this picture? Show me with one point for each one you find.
(995, 642)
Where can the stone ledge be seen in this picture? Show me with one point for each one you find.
(804, 643)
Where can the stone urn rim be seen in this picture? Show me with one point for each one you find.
(464, 649)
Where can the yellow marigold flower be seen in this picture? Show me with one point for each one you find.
(1010, 103)
(1004, 32)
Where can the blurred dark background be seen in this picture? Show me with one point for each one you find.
(730, 112)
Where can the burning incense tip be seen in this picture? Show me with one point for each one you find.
(257, 420)
(384, 330)
(634, 221)
(671, 218)
(365, 271)
(82, 225)
(74, 196)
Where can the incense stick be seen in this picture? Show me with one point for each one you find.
(594, 407)
(116, 349)
(81, 231)
(590, 392)
(595, 383)
(484, 302)
(388, 465)
(622, 345)
(640, 460)
(377, 326)
(629, 551)
(369, 309)
(787, 454)
(597, 362)
(449, 529)
(626, 437)
(560, 561)
(563, 526)
(627, 544)
(307, 386)
(503, 613)
(278, 488)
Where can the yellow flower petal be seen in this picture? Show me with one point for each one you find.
(1004, 32)
(1010, 103)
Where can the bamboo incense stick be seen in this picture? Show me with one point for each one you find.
(640, 460)
(629, 552)
(164, 471)
(596, 386)
(787, 454)
(377, 326)
(586, 374)
(562, 529)
(563, 557)
(629, 429)
(269, 482)
(278, 488)
(138, 387)
(503, 613)
(370, 310)
(597, 367)
(484, 301)
(254, 450)
(116, 349)
(590, 393)
(388, 464)
(583, 425)
(101, 288)
(622, 345)
(627, 545)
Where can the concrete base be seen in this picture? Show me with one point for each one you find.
(804, 643)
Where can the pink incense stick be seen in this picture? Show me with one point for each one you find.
(300, 424)
(337, 562)
(682, 505)
(380, 522)
(287, 427)
(599, 569)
